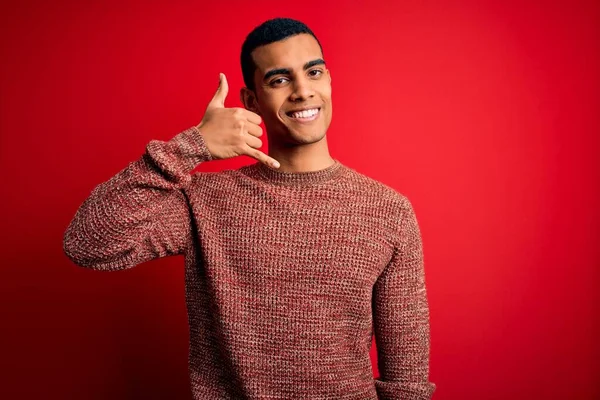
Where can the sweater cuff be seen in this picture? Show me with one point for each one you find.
(192, 148)
(177, 157)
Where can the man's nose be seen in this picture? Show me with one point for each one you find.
(302, 89)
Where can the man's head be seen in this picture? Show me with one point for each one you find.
(284, 71)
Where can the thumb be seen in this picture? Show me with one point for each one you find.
(218, 99)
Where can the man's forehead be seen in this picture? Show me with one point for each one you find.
(293, 53)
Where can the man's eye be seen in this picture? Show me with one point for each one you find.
(277, 81)
(318, 72)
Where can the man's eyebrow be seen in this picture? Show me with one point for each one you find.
(286, 71)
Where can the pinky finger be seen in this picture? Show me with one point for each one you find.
(262, 157)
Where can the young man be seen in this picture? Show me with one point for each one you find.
(289, 270)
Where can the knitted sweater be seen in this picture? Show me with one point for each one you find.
(287, 275)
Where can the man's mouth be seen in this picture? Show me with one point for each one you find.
(304, 115)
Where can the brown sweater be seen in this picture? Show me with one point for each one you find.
(287, 275)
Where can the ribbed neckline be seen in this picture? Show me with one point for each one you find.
(298, 178)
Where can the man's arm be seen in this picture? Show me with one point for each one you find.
(401, 318)
(141, 213)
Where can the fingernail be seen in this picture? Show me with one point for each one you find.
(275, 164)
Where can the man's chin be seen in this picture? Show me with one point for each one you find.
(294, 134)
(307, 136)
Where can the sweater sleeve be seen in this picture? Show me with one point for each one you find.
(401, 318)
(141, 213)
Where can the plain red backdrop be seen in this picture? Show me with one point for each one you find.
(485, 114)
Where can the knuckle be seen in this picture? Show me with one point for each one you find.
(241, 148)
(256, 154)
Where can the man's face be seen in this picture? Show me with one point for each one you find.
(291, 76)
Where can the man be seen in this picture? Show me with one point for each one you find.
(289, 269)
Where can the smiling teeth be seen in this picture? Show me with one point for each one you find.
(305, 113)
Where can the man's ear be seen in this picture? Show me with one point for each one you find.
(248, 99)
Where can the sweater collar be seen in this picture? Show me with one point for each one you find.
(298, 178)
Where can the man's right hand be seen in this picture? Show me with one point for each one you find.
(231, 132)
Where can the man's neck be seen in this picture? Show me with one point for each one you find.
(302, 158)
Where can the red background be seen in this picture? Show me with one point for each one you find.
(485, 114)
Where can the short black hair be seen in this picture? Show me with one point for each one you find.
(270, 31)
